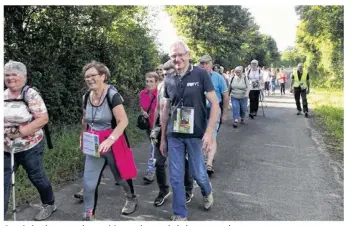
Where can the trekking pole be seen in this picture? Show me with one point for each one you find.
(13, 130)
(261, 100)
(14, 210)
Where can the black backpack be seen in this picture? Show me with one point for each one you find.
(113, 121)
(23, 99)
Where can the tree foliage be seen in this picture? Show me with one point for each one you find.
(320, 39)
(227, 33)
(55, 42)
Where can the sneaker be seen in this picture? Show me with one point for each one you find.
(130, 205)
(79, 195)
(306, 114)
(189, 197)
(235, 124)
(149, 176)
(45, 212)
(298, 112)
(208, 201)
(210, 170)
(242, 120)
(251, 116)
(178, 218)
(161, 198)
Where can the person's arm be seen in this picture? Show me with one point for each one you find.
(38, 109)
(121, 118)
(308, 84)
(156, 112)
(225, 99)
(145, 114)
(247, 90)
(292, 81)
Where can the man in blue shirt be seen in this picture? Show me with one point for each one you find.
(221, 91)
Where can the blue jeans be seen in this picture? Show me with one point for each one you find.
(239, 107)
(32, 162)
(151, 167)
(176, 153)
(273, 86)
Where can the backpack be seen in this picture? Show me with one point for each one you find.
(23, 99)
(113, 121)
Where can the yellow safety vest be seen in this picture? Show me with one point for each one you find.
(303, 82)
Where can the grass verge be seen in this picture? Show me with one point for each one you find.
(328, 107)
(64, 162)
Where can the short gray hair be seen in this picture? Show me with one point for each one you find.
(181, 43)
(17, 66)
(239, 68)
(254, 62)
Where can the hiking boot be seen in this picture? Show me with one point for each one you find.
(130, 205)
(178, 218)
(306, 114)
(208, 201)
(79, 195)
(161, 198)
(235, 124)
(149, 176)
(189, 197)
(242, 120)
(45, 212)
(210, 170)
(298, 112)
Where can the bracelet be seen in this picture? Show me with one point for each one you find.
(111, 137)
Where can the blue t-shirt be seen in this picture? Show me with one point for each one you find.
(219, 84)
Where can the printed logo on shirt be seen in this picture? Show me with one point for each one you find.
(191, 84)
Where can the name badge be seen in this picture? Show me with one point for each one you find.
(183, 120)
(91, 144)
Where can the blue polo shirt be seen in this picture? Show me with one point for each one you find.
(195, 83)
(219, 84)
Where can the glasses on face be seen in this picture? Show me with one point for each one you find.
(11, 74)
(179, 55)
(86, 77)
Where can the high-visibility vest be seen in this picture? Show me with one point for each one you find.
(297, 83)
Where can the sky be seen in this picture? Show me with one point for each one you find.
(277, 21)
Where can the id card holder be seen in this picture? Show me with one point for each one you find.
(183, 120)
(91, 144)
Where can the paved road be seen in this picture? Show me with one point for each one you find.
(272, 168)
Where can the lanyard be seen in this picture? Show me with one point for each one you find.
(96, 108)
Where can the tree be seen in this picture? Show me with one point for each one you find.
(320, 38)
(227, 33)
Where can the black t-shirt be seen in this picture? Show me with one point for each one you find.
(299, 74)
(195, 83)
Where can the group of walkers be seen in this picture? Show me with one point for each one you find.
(182, 109)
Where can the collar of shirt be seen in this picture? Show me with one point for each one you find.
(190, 68)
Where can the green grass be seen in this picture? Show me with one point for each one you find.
(329, 109)
(64, 162)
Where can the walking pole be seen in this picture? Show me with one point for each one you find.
(14, 210)
(261, 100)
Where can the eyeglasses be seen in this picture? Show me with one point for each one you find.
(173, 56)
(86, 77)
(13, 74)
